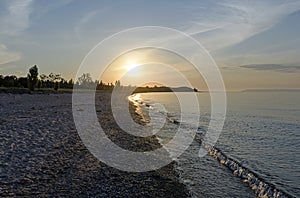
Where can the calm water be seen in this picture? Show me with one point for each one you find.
(261, 131)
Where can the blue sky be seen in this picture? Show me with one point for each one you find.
(255, 44)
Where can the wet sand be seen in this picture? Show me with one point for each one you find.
(42, 155)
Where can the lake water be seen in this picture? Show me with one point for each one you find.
(261, 132)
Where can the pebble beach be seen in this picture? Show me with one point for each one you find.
(42, 155)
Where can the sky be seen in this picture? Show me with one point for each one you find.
(255, 44)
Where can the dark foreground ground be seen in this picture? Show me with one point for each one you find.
(42, 155)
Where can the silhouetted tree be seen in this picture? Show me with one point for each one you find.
(1, 80)
(117, 83)
(53, 81)
(10, 81)
(54, 77)
(85, 81)
(56, 86)
(70, 84)
(39, 84)
(23, 82)
(32, 77)
(100, 85)
(43, 80)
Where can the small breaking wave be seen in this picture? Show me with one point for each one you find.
(261, 188)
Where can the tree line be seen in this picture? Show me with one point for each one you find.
(53, 81)
(33, 80)
(85, 81)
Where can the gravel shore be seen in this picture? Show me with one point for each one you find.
(42, 155)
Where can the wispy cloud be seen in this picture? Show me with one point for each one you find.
(230, 22)
(6, 56)
(273, 67)
(84, 20)
(16, 16)
(13, 20)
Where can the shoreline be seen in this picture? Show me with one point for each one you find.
(249, 177)
(42, 154)
(143, 117)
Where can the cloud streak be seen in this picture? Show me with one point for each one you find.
(231, 22)
(273, 67)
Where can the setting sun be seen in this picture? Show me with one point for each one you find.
(133, 70)
(130, 65)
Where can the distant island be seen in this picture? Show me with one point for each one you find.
(164, 89)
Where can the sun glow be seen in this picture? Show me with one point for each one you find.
(130, 65)
(131, 68)
(135, 71)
